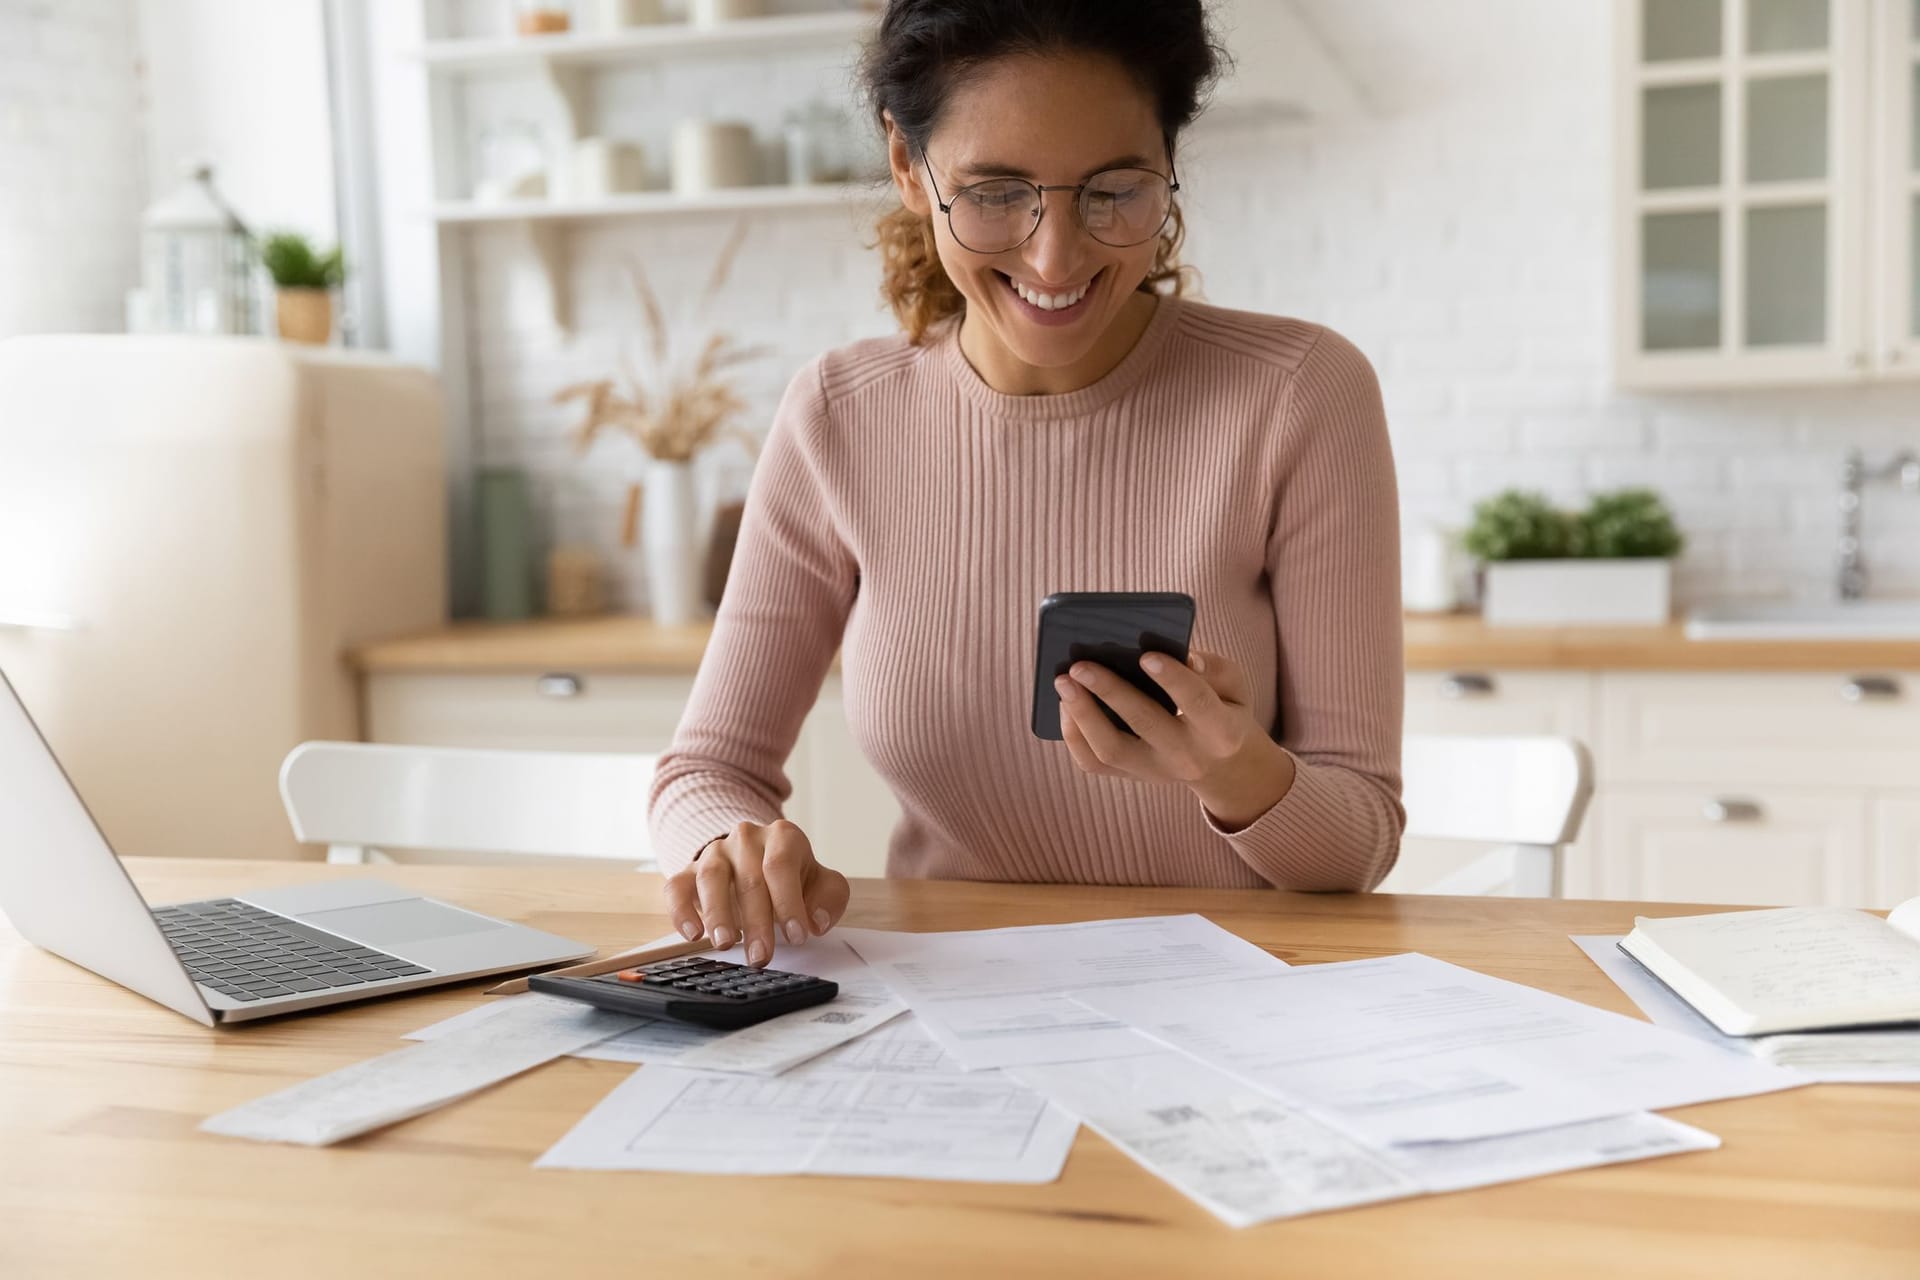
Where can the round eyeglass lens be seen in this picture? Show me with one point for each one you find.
(1124, 207)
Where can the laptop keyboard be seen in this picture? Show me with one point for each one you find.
(249, 954)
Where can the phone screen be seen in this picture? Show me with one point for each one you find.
(1112, 628)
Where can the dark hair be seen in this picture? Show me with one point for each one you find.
(924, 48)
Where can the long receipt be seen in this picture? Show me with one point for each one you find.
(890, 1104)
(1407, 1048)
(1247, 1157)
(417, 1079)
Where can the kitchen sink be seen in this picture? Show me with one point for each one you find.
(1783, 620)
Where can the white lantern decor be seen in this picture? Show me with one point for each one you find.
(198, 262)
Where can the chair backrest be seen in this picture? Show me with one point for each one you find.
(1496, 790)
(456, 799)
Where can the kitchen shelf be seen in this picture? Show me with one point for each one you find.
(641, 44)
(547, 222)
(652, 203)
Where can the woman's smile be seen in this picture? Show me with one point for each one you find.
(1052, 305)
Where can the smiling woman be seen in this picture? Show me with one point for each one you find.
(1054, 417)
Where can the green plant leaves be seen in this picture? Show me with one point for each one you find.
(1625, 524)
(294, 264)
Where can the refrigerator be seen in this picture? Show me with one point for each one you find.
(194, 532)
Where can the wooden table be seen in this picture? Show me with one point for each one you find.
(102, 1170)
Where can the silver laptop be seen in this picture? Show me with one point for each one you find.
(253, 955)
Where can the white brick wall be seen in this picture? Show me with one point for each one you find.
(71, 174)
(1458, 235)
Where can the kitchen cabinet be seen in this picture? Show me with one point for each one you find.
(1765, 192)
(838, 799)
(1896, 847)
(1468, 701)
(1764, 846)
(1739, 786)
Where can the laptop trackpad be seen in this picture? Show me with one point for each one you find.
(387, 924)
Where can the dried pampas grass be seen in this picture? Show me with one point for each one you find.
(672, 412)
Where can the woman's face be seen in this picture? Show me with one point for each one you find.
(1054, 121)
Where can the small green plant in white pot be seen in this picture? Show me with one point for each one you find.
(1611, 564)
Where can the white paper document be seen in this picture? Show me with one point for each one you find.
(766, 1048)
(890, 1104)
(1849, 1057)
(417, 1079)
(1247, 1157)
(997, 997)
(1407, 1048)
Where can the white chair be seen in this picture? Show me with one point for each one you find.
(368, 799)
(1526, 795)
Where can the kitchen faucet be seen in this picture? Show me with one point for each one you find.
(1854, 476)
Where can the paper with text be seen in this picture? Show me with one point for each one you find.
(1407, 1048)
(997, 997)
(1247, 1157)
(890, 1104)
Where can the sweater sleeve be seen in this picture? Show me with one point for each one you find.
(1333, 562)
(789, 590)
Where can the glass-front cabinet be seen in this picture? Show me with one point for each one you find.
(1897, 226)
(1751, 230)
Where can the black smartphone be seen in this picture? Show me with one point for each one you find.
(1112, 628)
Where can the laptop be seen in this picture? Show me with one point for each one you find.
(253, 955)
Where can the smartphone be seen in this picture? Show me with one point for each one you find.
(1112, 628)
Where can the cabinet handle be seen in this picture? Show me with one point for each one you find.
(1870, 689)
(1467, 684)
(1727, 809)
(560, 686)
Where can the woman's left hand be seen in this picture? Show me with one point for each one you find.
(1213, 746)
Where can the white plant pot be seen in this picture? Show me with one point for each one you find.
(670, 543)
(1532, 593)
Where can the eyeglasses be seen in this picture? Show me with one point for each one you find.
(1118, 207)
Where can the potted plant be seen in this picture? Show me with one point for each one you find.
(1611, 563)
(303, 281)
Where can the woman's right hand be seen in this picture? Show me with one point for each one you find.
(754, 883)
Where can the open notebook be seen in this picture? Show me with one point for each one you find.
(1788, 969)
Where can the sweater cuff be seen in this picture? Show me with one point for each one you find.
(1332, 831)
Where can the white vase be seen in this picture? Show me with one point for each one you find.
(670, 542)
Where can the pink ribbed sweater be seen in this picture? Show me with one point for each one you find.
(911, 516)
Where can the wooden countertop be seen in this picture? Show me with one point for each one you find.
(106, 1172)
(1434, 643)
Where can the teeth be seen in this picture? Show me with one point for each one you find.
(1049, 301)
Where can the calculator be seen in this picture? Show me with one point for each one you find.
(709, 993)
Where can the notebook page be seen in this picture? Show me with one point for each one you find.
(1906, 918)
(1798, 962)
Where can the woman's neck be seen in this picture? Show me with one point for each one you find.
(1006, 373)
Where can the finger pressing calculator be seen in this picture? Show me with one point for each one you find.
(710, 993)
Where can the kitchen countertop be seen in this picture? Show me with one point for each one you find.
(1435, 642)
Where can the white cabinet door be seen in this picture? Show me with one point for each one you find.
(1785, 729)
(1897, 209)
(837, 798)
(1896, 849)
(556, 711)
(1496, 702)
(1742, 191)
(1761, 847)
